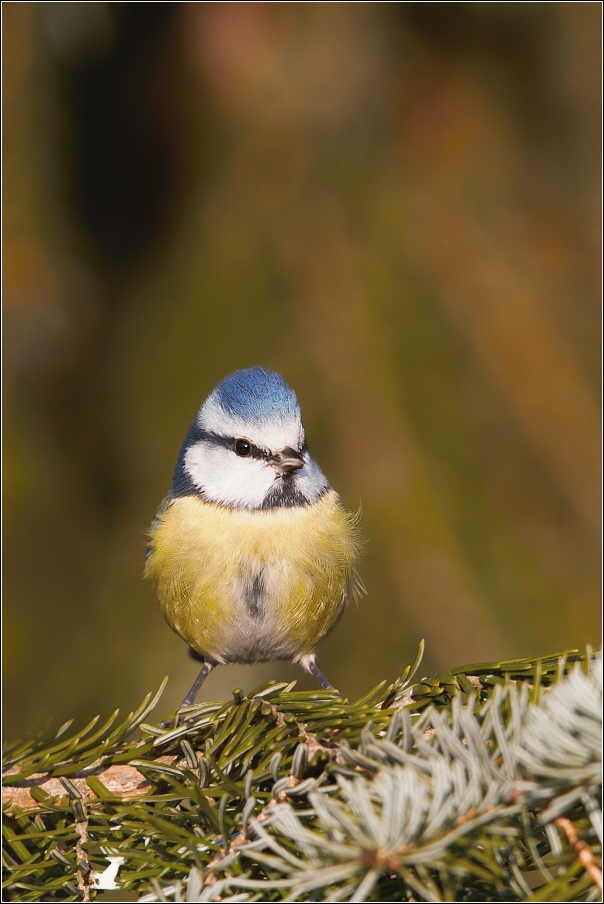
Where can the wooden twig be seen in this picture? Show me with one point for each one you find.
(122, 780)
(584, 854)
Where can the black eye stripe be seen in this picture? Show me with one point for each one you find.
(197, 434)
(252, 451)
(229, 442)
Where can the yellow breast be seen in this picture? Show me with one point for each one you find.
(253, 586)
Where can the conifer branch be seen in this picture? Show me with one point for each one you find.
(483, 784)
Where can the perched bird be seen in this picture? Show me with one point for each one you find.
(252, 554)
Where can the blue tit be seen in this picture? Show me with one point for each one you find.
(252, 554)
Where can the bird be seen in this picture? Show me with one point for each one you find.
(252, 554)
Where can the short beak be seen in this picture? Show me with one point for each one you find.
(287, 461)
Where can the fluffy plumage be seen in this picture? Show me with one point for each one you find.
(253, 586)
(252, 553)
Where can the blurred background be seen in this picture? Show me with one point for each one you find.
(396, 206)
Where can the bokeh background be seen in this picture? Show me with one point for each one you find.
(395, 205)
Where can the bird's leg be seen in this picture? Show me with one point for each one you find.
(308, 662)
(190, 698)
(314, 669)
(203, 674)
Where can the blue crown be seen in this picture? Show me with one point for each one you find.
(256, 394)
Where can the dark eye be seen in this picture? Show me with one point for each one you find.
(243, 448)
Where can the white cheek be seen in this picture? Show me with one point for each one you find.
(226, 478)
(310, 480)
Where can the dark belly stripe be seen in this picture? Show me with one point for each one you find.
(254, 597)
